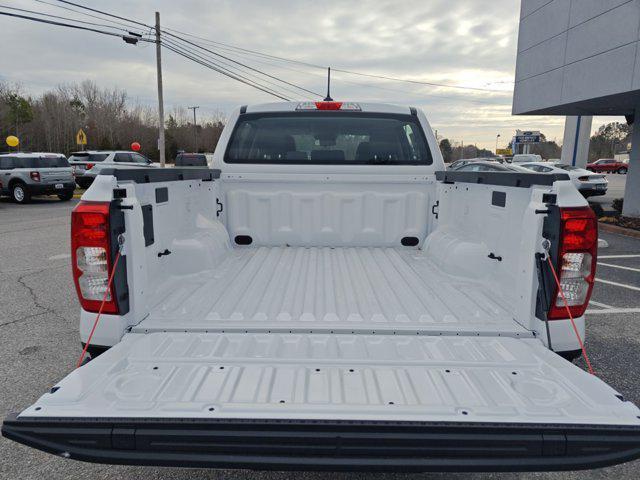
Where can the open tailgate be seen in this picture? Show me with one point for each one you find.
(334, 402)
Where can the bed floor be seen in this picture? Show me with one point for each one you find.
(372, 290)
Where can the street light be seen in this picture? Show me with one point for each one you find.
(497, 137)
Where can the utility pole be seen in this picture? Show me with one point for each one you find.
(160, 99)
(195, 130)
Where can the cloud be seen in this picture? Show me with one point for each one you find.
(460, 42)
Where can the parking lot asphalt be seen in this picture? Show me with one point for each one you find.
(615, 190)
(40, 345)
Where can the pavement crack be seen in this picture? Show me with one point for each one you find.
(34, 299)
(22, 319)
(32, 294)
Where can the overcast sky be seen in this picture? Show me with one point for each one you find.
(470, 43)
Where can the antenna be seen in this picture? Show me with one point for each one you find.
(328, 97)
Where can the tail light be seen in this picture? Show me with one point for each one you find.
(576, 267)
(35, 176)
(89, 166)
(91, 256)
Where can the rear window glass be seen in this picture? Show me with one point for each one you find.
(567, 167)
(34, 162)
(7, 163)
(88, 157)
(191, 160)
(328, 138)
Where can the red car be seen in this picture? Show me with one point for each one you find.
(609, 165)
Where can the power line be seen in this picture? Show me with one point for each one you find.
(105, 13)
(230, 75)
(377, 87)
(68, 25)
(227, 68)
(63, 18)
(82, 13)
(351, 72)
(238, 49)
(249, 51)
(191, 43)
(243, 65)
(431, 84)
(222, 70)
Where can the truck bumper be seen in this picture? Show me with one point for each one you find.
(592, 192)
(84, 181)
(50, 189)
(329, 445)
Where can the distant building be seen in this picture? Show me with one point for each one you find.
(578, 57)
(582, 57)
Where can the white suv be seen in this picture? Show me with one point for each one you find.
(86, 165)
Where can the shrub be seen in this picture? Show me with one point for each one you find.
(617, 204)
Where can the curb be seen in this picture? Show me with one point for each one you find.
(605, 227)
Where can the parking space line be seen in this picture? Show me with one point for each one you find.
(622, 267)
(616, 284)
(598, 304)
(619, 256)
(612, 311)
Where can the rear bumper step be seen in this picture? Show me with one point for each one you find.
(329, 445)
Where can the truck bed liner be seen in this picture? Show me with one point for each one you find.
(372, 290)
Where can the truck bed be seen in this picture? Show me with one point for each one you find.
(369, 290)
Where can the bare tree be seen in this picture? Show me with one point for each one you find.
(110, 119)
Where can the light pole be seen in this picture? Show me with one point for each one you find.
(195, 130)
(160, 97)
(497, 137)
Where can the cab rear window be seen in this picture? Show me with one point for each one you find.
(191, 160)
(88, 157)
(7, 163)
(328, 138)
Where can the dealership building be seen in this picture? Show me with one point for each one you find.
(580, 58)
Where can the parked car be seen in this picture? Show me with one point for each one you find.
(27, 174)
(459, 163)
(337, 304)
(526, 157)
(608, 165)
(491, 167)
(89, 163)
(587, 182)
(83, 161)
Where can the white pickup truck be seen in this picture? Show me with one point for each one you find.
(326, 296)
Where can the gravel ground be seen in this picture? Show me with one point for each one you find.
(40, 344)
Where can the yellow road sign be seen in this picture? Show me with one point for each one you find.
(81, 137)
(503, 151)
